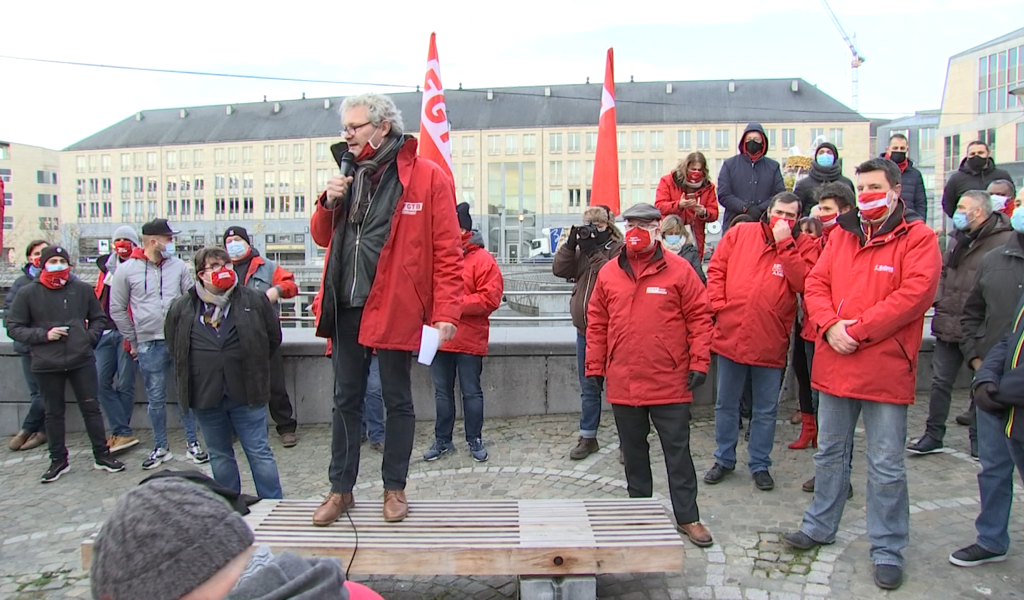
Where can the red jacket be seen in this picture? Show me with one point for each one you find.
(484, 288)
(807, 329)
(667, 201)
(419, 273)
(886, 285)
(645, 334)
(752, 285)
(282, 279)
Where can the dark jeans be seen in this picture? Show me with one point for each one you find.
(590, 394)
(443, 371)
(83, 383)
(946, 362)
(673, 424)
(115, 369)
(35, 420)
(280, 405)
(803, 360)
(766, 382)
(250, 424)
(373, 408)
(351, 366)
(998, 455)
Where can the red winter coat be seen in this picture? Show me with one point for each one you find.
(484, 288)
(752, 285)
(419, 273)
(886, 285)
(667, 201)
(645, 335)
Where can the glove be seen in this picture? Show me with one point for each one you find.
(587, 245)
(983, 398)
(695, 380)
(573, 240)
(597, 381)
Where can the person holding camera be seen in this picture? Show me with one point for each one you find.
(578, 260)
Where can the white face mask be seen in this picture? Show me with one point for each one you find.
(53, 268)
(998, 201)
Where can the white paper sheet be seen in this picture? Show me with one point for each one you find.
(428, 345)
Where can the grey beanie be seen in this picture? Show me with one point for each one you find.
(164, 539)
(125, 232)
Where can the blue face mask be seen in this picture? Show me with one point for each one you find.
(236, 249)
(960, 220)
(826, 160)
(168, 250)
(55, 267)
(33, 271)
(673, 239)
(1017, 220)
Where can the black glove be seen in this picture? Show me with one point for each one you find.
(597, 381)
(588, 245)
(983, 398)
(573, 239)
(695, 380)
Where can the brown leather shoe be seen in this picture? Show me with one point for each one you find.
(395, 506)
(333, 506)
(584, 448)
(698, 534)
(18, 441)
(35, 440)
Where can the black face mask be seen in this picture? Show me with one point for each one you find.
(897, 157)
(977, 163)
(602, 237)
(753, 146)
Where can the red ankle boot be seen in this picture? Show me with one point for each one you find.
(808, 433)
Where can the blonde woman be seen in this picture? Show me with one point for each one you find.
(677, 237)
(688, 193)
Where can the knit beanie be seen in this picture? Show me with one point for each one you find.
(51, 251)
(239, 231)
(465, 220)
(125, 232)
(164, 539)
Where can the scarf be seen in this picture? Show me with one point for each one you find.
(675, 248)
(903, 165)
(361, 183)
(826, 174)
(215, 305)
(684, 184)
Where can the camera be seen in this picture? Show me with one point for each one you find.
(585, 232)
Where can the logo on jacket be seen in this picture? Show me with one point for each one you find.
(777, 270)
(657, 290)
(884, 269)
(411, 208)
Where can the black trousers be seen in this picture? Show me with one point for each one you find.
(673, 424)
(802, 370)
(84, 384)
(351, 368)
(280, 405)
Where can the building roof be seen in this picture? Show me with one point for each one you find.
(999, 40)
(762, 100)
(924, 118)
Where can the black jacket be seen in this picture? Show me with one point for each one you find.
(748, 187)
(818, 176)
(913, 192)
(19, 283)
(37, 309)
(259, 330)
(988, 310)
(966, 180)
(1004, 367)
(689, 252)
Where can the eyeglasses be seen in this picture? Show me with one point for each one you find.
(352, 129)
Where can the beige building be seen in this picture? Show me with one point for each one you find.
(523, 157)
(31, 191)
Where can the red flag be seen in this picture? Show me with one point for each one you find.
(435, 141)
(605, 187)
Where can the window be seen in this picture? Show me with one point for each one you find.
(126, 211)
(574, 143)
(126, 188)
(5, 152)
(218, 157)
(835, 135)
(92, 164)
(989, 137)
(300, 207)
(197, 161)
(105, 163)
(926, 146)
(321, 152)
(683, 140)
(268, 182)
(1019, 151)
(468, 197)
(574, 198)
(151, 160)
(152, 187)
(555, 201)
(997, 75)
(637, 169)
(468, 145)
(247, 205)
(80, 188)
(620, 141)
(94, 210)
(589, 173)
(703, 139)
(591, 141)
(282, 153)
(247, 182)
(8, 223)
(511, 144)
(638, 195)
(46, 200)
(771, 138)
(575, 178)
(200, 206)
(233, 181)
(285, 204)
(106, 187)
(172, 208)
(8, 199)
(721, 139)
(622, 171)
(232, 156)
(185, 186)
(530, 143)
(219, 206)
(186, 207)
(46, 177)
(184, 157)
(554, 143)
(268, 155)
(247, 155)
(139, 185)
(126, 161)
(638, 141)
(137, 161)
(94, 187)
(816, 132)
(468, 172)
(200, 185)
(951, 152)
(298, 153)
(555, 173)
(322, 175)
(218, 184)
(299, 182)
(657, 169)
(657, 141)
(284, 181)
(788, 138)
(171, 159)
(269, 206)
(493, 145)
(234, 206)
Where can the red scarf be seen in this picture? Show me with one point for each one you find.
(902, 165)
(55, 279)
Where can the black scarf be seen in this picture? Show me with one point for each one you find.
(826, 174)
(361, 184)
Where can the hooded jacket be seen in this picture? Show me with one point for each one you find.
(746, 186)
(23, 280)
(148, 289)
(965, 179)
(667, 200)
(912, 187)
(817, 176)
(289, 576)
(959, 271)
(483, 291)
(989, 308)
(885, 283)
(581, 269)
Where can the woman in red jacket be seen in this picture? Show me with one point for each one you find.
(688, 192)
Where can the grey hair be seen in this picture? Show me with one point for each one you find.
(378, 108)
(983, 199)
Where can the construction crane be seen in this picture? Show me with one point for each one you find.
(857, 61)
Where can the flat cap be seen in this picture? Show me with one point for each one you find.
(642, 212)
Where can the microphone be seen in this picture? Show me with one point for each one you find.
(347, 164)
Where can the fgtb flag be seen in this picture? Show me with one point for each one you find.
(435, 141)
(605, 187)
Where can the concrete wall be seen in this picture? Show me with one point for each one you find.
(529, 371)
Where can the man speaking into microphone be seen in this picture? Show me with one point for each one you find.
(393, 264)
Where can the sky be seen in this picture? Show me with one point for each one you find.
(906, 45)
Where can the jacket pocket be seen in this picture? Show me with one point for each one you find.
(663, 347)
(903, 352)
(78, 345)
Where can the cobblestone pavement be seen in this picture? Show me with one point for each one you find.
(41, 526)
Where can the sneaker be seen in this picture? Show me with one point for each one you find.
(108, 463)
(763, 481)
(964, 419)
(289, 439)
(438, 449)
(156, 458)
(746, 435)
(584, 448)
(717, 474)
(974, 555)
(925, 445)
(57, 468)
(888, 577)
(477, 450)
(197, 454)
(117, 443)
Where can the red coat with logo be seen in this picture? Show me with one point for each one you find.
(752, 285)
(646, 333)
(419, 272)
(667, 200)
(886, 284)
(483, 291)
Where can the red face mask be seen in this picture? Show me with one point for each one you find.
(773, 220)
(35, 260)
(223, 279)
(829, 224)
(55, 279)
(123, 248)
(873, 205)
(639, 239)
(694, 176)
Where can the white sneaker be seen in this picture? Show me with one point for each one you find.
(197, 454)
(156, 458)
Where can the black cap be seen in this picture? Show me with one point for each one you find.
(465, 219)
(158, 227)
(239, 231)
(51, 251)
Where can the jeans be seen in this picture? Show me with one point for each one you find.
(765, 382)
(116, 371)
(373, 406)
(995, 481)
(280, 405)
(590, 394)
(888, 506)
(35, 420)
(443, 371)
(83, 383)
(155, 364)
(351, 367)
(946, 362)
(250, 424)
(673, 424)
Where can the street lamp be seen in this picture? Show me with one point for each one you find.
(501, 231)
(522, 217)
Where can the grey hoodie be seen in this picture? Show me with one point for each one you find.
(289, 575)
(148, 289)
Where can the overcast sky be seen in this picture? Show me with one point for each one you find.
(907, 45)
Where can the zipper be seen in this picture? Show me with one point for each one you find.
(586, 297)
(68, 337)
